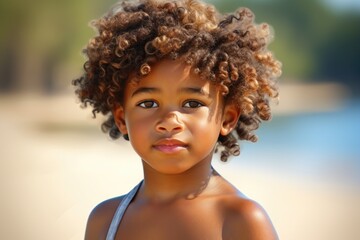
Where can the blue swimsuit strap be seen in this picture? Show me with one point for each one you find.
(120, 212)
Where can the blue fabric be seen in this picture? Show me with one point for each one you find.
(120, 212)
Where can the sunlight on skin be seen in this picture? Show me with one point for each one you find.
(173, 119)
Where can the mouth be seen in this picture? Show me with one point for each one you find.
(170, 146)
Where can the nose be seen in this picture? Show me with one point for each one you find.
(170, 124)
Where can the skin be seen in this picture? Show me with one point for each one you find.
(173, 119)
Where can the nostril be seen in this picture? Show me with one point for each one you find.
(169, 127)
(162, 128)
(170, 123)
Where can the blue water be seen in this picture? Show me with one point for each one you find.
(321, 144)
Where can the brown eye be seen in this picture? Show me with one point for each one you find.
(193, 104)
(148, 104)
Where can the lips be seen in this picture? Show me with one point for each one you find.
(170, 145)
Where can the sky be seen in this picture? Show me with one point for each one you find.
(338, 5)
(344, 4)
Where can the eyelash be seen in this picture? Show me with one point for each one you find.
(143, 104)
(198, 104)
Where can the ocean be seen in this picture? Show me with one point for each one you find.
(319, 145)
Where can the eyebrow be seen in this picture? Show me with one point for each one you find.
(196, 91)
(145, 90)
(183, 90)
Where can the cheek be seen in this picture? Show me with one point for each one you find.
(139, 125)
(205, 124)
(138, 133)
(136, 125)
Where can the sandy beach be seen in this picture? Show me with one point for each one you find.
(56, 165)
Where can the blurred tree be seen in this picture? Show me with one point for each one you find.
(314, 42)
(296, 28)
(40, 38)
(338, 53)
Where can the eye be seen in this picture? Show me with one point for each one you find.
(193, 104)
(148, 104)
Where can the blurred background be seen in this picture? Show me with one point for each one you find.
(56, 164)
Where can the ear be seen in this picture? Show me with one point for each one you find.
(230, 118)
(119, 117)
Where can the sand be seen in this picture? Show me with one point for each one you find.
(56, 165)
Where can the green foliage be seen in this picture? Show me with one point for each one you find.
(50, 27)
(311, 40)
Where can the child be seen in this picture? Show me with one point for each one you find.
(179, 81)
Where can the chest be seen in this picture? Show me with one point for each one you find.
(186, 220)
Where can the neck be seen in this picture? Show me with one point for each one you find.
(160, 187)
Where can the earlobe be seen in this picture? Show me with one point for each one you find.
(230, 119)
(119, 118)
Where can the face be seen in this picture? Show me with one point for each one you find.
(173, 118)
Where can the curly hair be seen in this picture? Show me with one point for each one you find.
(229, 50)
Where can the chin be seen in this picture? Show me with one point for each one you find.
(169, 168)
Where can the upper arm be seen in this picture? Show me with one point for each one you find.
(248, 220)
(100, 218)
(95, 225)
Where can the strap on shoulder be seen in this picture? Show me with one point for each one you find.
(120, 212)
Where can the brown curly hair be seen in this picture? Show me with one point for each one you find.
(229, 50)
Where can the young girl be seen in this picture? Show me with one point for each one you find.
(180, 82)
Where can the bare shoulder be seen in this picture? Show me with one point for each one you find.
(100, 218)
(246, 219)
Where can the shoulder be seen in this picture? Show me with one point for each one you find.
(100, 218)
(245, 219)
